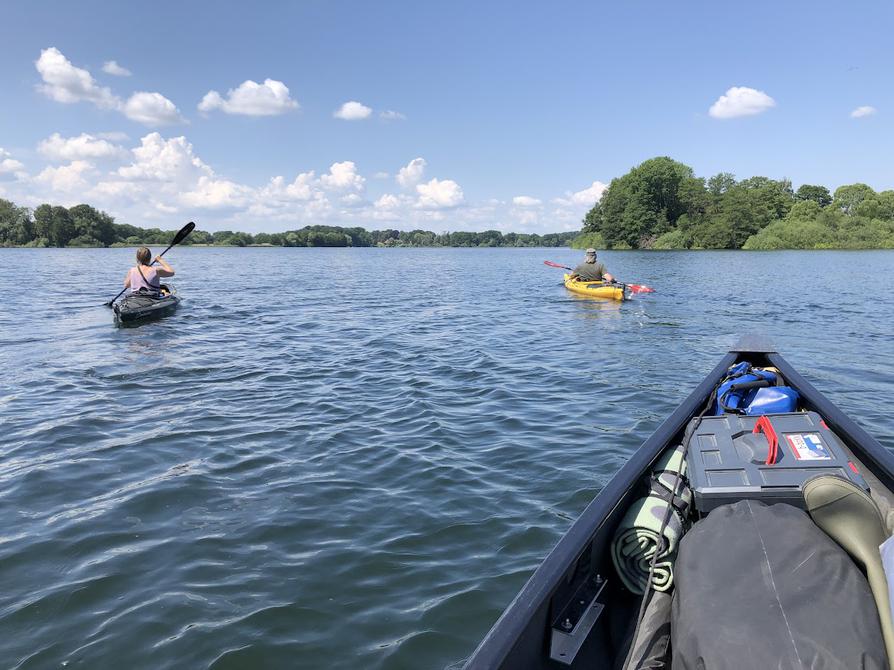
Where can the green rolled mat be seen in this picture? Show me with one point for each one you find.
(636, 539)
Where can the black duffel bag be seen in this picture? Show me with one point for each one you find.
(763, 587)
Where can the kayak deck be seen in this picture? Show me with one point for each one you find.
(546, 625)
(597, 289)
(141, 306)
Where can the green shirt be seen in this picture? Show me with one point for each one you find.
(590, 271)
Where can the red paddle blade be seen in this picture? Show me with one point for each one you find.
(556, 265)
(639, 288)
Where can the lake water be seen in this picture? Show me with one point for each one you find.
(354, 458)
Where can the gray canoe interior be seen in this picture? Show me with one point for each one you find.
(605, 644)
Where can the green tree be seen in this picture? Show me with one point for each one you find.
(818, 194)
(55, 224)
(720, 183)
(643, 204)
(90, 223)
(16, 225)
(847, 198)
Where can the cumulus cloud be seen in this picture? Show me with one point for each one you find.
(391, 115)
(584, 198)
(158, 159)
(353, 111)
(113, 136)
(163, 177)
(9, 165)
(151, 109)
(439, 194)
(741, 101)
(343, 177)
(411, 174)
(387, 201)
(251, 99)
(112, 68)
(211, 193)
(861, 112)
(83, 147)
(589, 196)
(63, 82)
(66, 178)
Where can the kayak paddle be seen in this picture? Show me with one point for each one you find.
(634, 288)
(178, 238)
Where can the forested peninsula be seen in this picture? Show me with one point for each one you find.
(85, 226)
(661, 204)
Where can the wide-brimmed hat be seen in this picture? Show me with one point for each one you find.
(590, 252)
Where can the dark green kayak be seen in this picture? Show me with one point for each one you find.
(144, 306)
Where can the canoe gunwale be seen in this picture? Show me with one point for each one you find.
(548, 577)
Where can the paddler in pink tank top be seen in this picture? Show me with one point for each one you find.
(143, 275)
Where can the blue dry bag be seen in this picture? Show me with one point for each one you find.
(752, 391)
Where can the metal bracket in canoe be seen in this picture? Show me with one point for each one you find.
(576, 620)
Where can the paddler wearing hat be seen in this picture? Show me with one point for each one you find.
(591, 269)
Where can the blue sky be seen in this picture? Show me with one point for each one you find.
(504, 115)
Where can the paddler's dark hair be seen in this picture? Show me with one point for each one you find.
(143, 255)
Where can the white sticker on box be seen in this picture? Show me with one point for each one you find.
(808, 447)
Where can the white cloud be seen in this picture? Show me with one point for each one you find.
(111, 67)
(84, 146)
(165, 179)
(151, 109)
(211, 193)
(63, 82)
(353, 111)
(387, 201)
(9, 165)
(865, 110)
(391, 115)
(66, 178)
(251, 99)
(159, 159)
(113, 136)
(439, 194)
(304, 188)
(343, 177)
(381, 175)
(741, 101)
(589, 196)
(411, 174)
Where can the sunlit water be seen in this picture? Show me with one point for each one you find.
(353, 458)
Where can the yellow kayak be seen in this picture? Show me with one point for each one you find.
(596, 289)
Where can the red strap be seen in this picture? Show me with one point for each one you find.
(763, 424)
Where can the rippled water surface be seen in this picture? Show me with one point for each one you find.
(354, 458)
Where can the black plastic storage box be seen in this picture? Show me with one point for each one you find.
(732, 457)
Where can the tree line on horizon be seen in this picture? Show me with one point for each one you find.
(85, 226)
(661, 204)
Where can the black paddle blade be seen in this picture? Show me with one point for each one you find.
(186, 230)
